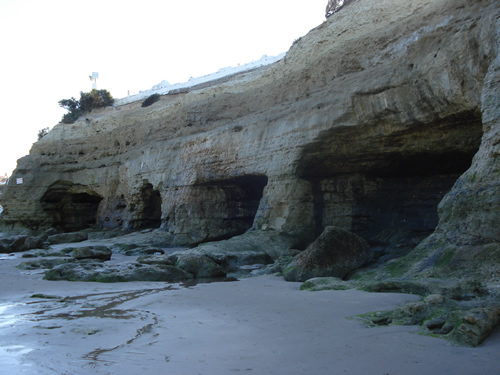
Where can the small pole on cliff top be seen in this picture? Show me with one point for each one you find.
(93, 79)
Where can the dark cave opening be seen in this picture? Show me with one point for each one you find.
(71, 207)
(243, 195)
(148, 209)
(387, 189)
(227, 208)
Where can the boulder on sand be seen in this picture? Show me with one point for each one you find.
(335, 253)
(200, 266)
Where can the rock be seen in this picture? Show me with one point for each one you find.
(251, 267)
(152, 250)
(412, 313)
(447, 315)
(335, 253)
(476, 325)
(132, 249)
(48, 253)
(276, 267)
(165, 260)
(200, 266)
(45, 296)
(43, 263)
(396, 286)
(132, 271)
(19, 243)
(253, 247)
(459, 290)
(326, 283)
(434, 299)
(104, 234)
(92, 252)
(67, 238)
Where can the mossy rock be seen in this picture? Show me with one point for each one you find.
(326, 283)
(104, 273)
(443, 318)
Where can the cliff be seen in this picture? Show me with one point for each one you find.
(383, 120)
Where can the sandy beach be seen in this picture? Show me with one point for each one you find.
(257, 325)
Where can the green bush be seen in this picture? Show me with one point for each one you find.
(88, 101)
(150, 100)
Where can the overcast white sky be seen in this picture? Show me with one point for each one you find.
(48, 49)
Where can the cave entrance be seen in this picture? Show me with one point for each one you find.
(148, 208)
(71, 207)
(386, 188)
(242, 199)
(223, 209)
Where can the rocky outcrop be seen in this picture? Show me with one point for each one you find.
(373, 119)
(464, 324)
(467, 239)
(336, 253)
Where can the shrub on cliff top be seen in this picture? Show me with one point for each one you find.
(150, 100)
(42, 133)
(88, 101)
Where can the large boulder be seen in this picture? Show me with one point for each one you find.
(335, 253)
(200, 266)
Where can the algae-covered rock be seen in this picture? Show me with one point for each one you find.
(476, 325)
(467, 322)
(460, 290)
(131, 271)
(326, 283)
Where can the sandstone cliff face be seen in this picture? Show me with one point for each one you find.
(368, 122)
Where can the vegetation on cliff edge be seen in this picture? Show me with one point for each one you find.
(88, 101)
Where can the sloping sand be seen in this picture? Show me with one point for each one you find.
(260, 325)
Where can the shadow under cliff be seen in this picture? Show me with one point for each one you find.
(384, 182)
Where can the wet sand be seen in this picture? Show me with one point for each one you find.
(259, 325)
